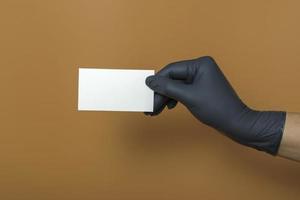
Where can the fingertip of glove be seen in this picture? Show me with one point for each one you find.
(148, 113)
(170, 107)
(149, 79)
(172, 104)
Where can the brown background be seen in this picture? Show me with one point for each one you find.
(48, 150)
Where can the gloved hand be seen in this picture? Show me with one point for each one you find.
(201, 86)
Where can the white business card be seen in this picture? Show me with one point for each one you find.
(114, 90)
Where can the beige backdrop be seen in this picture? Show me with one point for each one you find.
(48, 150)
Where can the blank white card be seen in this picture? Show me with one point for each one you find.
(114, 90)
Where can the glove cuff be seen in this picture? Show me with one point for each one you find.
(268, 128)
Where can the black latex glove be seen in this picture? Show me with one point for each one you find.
(201, 86)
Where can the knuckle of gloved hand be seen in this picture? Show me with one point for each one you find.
(207, 63)
(208, 59)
